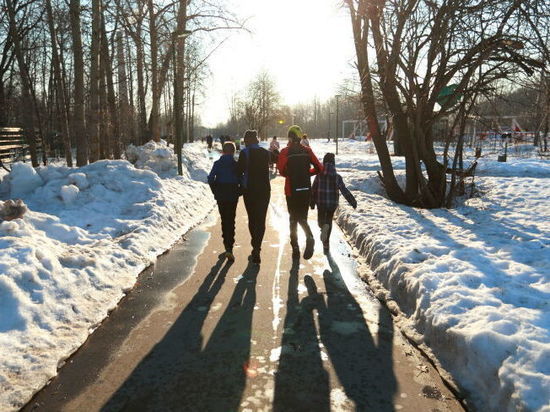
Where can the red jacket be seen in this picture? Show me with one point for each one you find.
(294, 164)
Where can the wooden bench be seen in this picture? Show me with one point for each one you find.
(14, 147)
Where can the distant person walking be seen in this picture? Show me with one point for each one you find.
(274, 144)
(224, 182)
(209, 142)
(253, 167)
(325, 193)
(274, 149)
(294, 163)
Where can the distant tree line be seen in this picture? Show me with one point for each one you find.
(96, 75)
(259, 106)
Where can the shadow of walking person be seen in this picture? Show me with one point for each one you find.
(364, 369)
(301, 382)
(218, 382)
(178, 351)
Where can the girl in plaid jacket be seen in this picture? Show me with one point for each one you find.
(325, 193)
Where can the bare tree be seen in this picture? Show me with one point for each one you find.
(428, 56)
(26, 86)
(60, 89)
(261, 102)
(107, 72)
(123, 110)
(78, 86)
(95, 74)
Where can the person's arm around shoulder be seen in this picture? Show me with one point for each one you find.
(314, 189)
(317, 166)
(282, 162)
(345, 192)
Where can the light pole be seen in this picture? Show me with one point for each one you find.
(329, 124)
(337, 113)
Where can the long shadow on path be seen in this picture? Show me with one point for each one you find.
(364, 368)
(178, 375)
(301, 382)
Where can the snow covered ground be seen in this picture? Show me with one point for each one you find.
(87, 235)
(474, 281)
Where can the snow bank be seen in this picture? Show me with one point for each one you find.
(473, 281)
(87, 235)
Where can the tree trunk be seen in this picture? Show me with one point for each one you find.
(103, 116)
(140, 63)
(179, 79)
(368, 102)
(29, 109)
(78, 115)
(155, 92)
(114, 121)
(123, 106)
(192, 127)
(95, 74)
(60, 92)
(3, 113)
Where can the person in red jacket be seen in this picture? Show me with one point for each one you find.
(294, 164)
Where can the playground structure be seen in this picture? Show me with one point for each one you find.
(490, 134)
(486, 134)
(359, 129)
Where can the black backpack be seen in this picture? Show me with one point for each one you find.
(298, 165)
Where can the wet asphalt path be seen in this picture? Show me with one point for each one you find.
(198, 333)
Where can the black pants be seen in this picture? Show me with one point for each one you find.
(298, 205)
(324, 217)
(256, 208)
(227, 213)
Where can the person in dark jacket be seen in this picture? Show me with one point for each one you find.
(294, 164)
(253, 167)
(325, 193)
(224, 182)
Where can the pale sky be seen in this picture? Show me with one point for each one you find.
(306, 45)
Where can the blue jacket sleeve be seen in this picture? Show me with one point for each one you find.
(212, 176)
(345, 192)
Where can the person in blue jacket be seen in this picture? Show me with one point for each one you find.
(224, 182)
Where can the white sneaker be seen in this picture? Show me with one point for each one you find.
(324, 232)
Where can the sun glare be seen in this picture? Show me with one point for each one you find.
(305, 45)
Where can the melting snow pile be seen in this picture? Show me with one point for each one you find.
(474, 281)
(87, 234)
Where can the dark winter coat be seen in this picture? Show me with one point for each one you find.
(224, 179)
(253, 167)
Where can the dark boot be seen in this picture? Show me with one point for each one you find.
(255, 257)
(310, 246)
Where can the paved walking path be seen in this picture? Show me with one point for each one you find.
(200, 334)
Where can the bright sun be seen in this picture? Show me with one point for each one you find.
(306, 45)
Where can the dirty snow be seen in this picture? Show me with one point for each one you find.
(474, 281)
(87, 235)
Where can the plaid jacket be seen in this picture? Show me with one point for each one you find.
(326, 188)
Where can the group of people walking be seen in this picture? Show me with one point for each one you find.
(249, 176)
